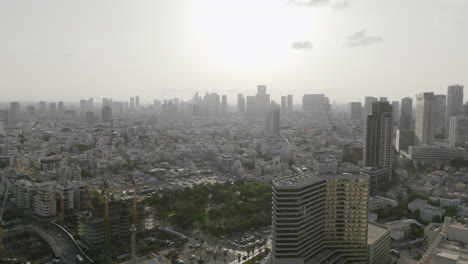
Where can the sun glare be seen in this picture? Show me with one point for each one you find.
(250, 32)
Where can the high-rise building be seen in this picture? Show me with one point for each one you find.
(250, 105)
(317, 104)
(132, 104)
(14, 111)
(404, 139)
(283, 105)
(464, 109)
(241, 104)
(30, 110)
(45, 204)
(224, 106)
(21, 193)
(425, 118)
(272, 122)
(90, 104)
(379, 137)
(406, 113)
(368, 101)
(290, 105)
(440, 101)
(82, 106)
(458, 131)
(320, 219)
(137, 103)
(262, 101)
(383, 99)
(53, 108)
(396, 110)
(356, 110)
(61, 108)
(454, 103)
(106, 114)
(42, 107)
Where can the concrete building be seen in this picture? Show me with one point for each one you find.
(396, 110)
(355, 110)
(284, 105)
(377, 177)
(272, 122)
(428, 154)
(454, 103)
(250, 105)
(43, 107)
(379, 137)
(21, 193)
(404, 139)
(69, 173)
(45, 204)
(425, 118)
(440, 105)
(378, 241)
(262, 101)
(317, 104)
(80, 195)
(106, 114)
(309, 213)
(290, 105)
(368, 101)
(458, 131)
(241, 104)
(427, 211)
(224, 105)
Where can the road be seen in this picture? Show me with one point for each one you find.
(64, 245)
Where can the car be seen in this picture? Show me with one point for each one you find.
(244, 257)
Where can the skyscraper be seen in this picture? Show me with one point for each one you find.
(379, 137)
(356, 110)
(425, 118)
(132, 104)
(82, 106)
(454, 103)
(61, 108)
(290, 105)
(406, 113)
(241, 104)
(43, 106)
(53, 108)
(224, 106)
(272, 122)
(262, 101)
(106, 114)
(440, 100)
(317, 104)
(250, 105)
(283, 105)
(458, 131)
(320, 219)
(368, 101)
(396, 110)
(137, 103)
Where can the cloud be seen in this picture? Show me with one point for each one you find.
(73, 51)
(445, 19)
(341, 5)
(302, 45)
(361, 38)
(308, 3)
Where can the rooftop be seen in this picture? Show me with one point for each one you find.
(375, 231)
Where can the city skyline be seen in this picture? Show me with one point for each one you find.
(172, 49)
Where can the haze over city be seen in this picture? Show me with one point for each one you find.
(65, 50)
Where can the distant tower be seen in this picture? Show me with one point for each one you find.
(241, 104)
(379, 137)
(106, 114)
(132, 104)
(425, 118)
(368, 101)
(137, 103)
(250, 105)
(290, 105)
(283, 105)
(440, 105)
(53, 108)
(458, 131)
(406, 113)
(43, 106)
(61, 108)
(356, 110)
(396, 110)
(454, 103)
(224, 106)
(272, 122)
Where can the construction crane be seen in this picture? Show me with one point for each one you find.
(2, 245)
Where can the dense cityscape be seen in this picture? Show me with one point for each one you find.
(301, 180)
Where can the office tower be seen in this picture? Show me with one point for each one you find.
(90, 104)
(379, 137)
(82, 106)
(137, 103)
(290, 105)
(406, 113)
(241, 104)
(157, 106)
(439, 130)
(396, 110)
(250, 105)
(317, 104)
(42, 107)
(454, 103)
(383, 99)
(14, 111)
(320, 219)
(2, 126)
(262, 101)
(61, 108)
(89, 117)
(126, 108)
(356, 110)
(458, 131)
(53, 108)
(464, 109)
(106, 114)
(283, 105)
(368, 101)
(272, 122)
(404, 139)
(132, 104)
(425, 118)
(22, 194)
(224, 106)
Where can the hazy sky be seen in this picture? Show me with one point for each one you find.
(67, 50)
